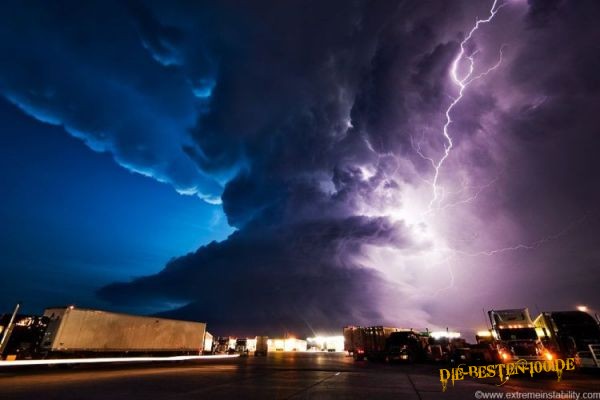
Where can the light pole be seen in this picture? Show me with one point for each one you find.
(8, 330)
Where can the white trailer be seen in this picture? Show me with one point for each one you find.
(208, 343)
(84, 332)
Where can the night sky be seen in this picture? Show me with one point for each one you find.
(297, 166)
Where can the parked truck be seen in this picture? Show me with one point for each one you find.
(241, 346)
(76, 332)
(222, 346)
(22, 337)
(515, 337)
(354, 342)
(379, 343)
(444, 346)
(571, 334)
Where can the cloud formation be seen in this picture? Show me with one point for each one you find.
(89, 69)
(314, 123)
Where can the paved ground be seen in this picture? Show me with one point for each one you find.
(279, 376)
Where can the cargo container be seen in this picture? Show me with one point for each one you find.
(571, 334)
(262, 346)
(287, 344)
(251, 345)
(208, 343)
(380, 343)
(86, 332)
(354, 342)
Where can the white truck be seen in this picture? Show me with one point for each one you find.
(515, 337)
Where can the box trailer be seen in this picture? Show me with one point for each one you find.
(262, 346)
(79, 331)
(208, 343)
(379, 343)
(354, 342)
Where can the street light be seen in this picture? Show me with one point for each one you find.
(582, 308)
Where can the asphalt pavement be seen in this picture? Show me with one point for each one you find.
(278, 376)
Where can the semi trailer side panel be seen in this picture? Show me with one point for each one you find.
(84, 330)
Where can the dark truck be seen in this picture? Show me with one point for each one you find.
(222, 346)
(484, 349)
(515, 337)
(571, 334)
(445, 346)
(241, 347)
(404, 346)
(23, 337)
(379, 343)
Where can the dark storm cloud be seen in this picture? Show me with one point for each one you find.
(555, 127)
(322, 97)
(85, 67)
(282, 103)
(553, 118)
(276, 278)
(305, 119)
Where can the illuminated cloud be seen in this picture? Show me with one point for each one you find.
(316, 125)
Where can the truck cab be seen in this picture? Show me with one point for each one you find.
(403, 346)
(241, 347)
(222, 345)
(515, 337)
(571, 334)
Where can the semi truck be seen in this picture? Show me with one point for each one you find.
(85, 332)
(222, 346)
(515, 337)
(23, 336)
(379, 343)
(241, 346)
(571, 334)
(444, 346)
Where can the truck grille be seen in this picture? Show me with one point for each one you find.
(524, 350)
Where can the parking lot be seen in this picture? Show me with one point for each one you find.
(278, 376)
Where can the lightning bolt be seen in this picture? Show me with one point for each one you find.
(471, 197)
(462, 79)
(528, 246)
(461, 82)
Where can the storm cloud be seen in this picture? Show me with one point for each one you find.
(317, 124)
